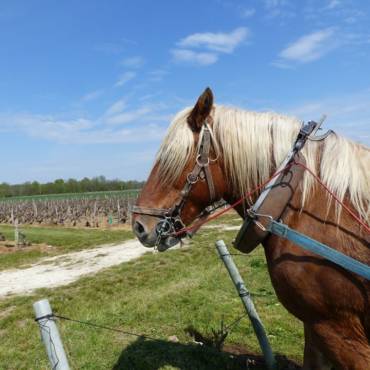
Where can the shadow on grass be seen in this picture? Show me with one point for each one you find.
(155, 354)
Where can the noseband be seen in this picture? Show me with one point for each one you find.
(171, 221)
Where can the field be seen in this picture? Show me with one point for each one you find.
(93, 209)
(161, 295)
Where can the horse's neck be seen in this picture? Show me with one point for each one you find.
(250, 198)
(318, 219)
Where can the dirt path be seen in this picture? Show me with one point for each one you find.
(66, 268)
(223, 227)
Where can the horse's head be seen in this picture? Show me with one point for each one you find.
(186, 178)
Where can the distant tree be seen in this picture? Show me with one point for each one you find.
(98, 183)
(72, 186)
(5, 190)
(59, 186)
(35, 188)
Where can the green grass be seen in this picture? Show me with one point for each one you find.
(159, 295)
(63, 239)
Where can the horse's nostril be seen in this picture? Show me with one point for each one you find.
(139, 228)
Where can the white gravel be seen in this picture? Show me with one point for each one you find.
(223, 227)
(66, 268)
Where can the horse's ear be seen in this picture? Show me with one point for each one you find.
(201, 110)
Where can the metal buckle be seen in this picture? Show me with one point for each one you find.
(254, 217)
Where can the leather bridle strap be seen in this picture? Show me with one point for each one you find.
(160, 212)
(200, 171)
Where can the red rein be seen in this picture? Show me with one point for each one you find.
(261, 186)
(353, 214)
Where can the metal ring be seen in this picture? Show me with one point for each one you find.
(164, 227)
(200, 163)
(191, 181)
(213, 160)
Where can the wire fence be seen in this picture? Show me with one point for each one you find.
(217, 340)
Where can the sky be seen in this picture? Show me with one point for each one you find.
(88, 87)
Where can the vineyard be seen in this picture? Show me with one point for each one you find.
(94, 209)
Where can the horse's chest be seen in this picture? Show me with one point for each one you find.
(308, 285)
(290, 279)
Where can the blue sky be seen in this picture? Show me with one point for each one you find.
(89, 87)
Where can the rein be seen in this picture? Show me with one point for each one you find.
(171, 222)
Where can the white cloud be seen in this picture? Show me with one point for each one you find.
(44, 126)
(346, 12)
(220, 42)
(282, 64)
(247, 13)
(310, 47)
(116, 107)
(274, 3)
(333, 4)
(124, 78)
(133, 62)
(281, 9)
(92, 95)
(150, 96)
(114, 47)
(212, 44)
(189, 56)
(123, 163)
(77, 131)
(130, 116)
(347, 114)
(158, 74)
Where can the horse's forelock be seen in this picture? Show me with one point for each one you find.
(176, 149)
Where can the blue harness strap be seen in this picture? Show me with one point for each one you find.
(321, 249)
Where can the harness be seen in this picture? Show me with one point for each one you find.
(275, 196)
(278, 192)
(171, 221)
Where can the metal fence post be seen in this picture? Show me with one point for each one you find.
(50, 335)
(248, 304)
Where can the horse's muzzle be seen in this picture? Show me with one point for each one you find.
(151, 238)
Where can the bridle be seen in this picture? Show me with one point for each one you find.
(171, 221)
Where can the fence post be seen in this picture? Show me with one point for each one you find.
(50, 335)
(248, 304)
(16, 233)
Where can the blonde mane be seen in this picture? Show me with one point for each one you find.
(252, 144)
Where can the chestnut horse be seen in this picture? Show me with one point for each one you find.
(214, 152)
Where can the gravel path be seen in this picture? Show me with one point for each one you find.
(223, 227)
(66, 268)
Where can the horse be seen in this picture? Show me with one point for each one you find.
(214, 152)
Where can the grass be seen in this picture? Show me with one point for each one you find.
(159, 295)
(63, 239)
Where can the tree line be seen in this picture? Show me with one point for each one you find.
(60, 186)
